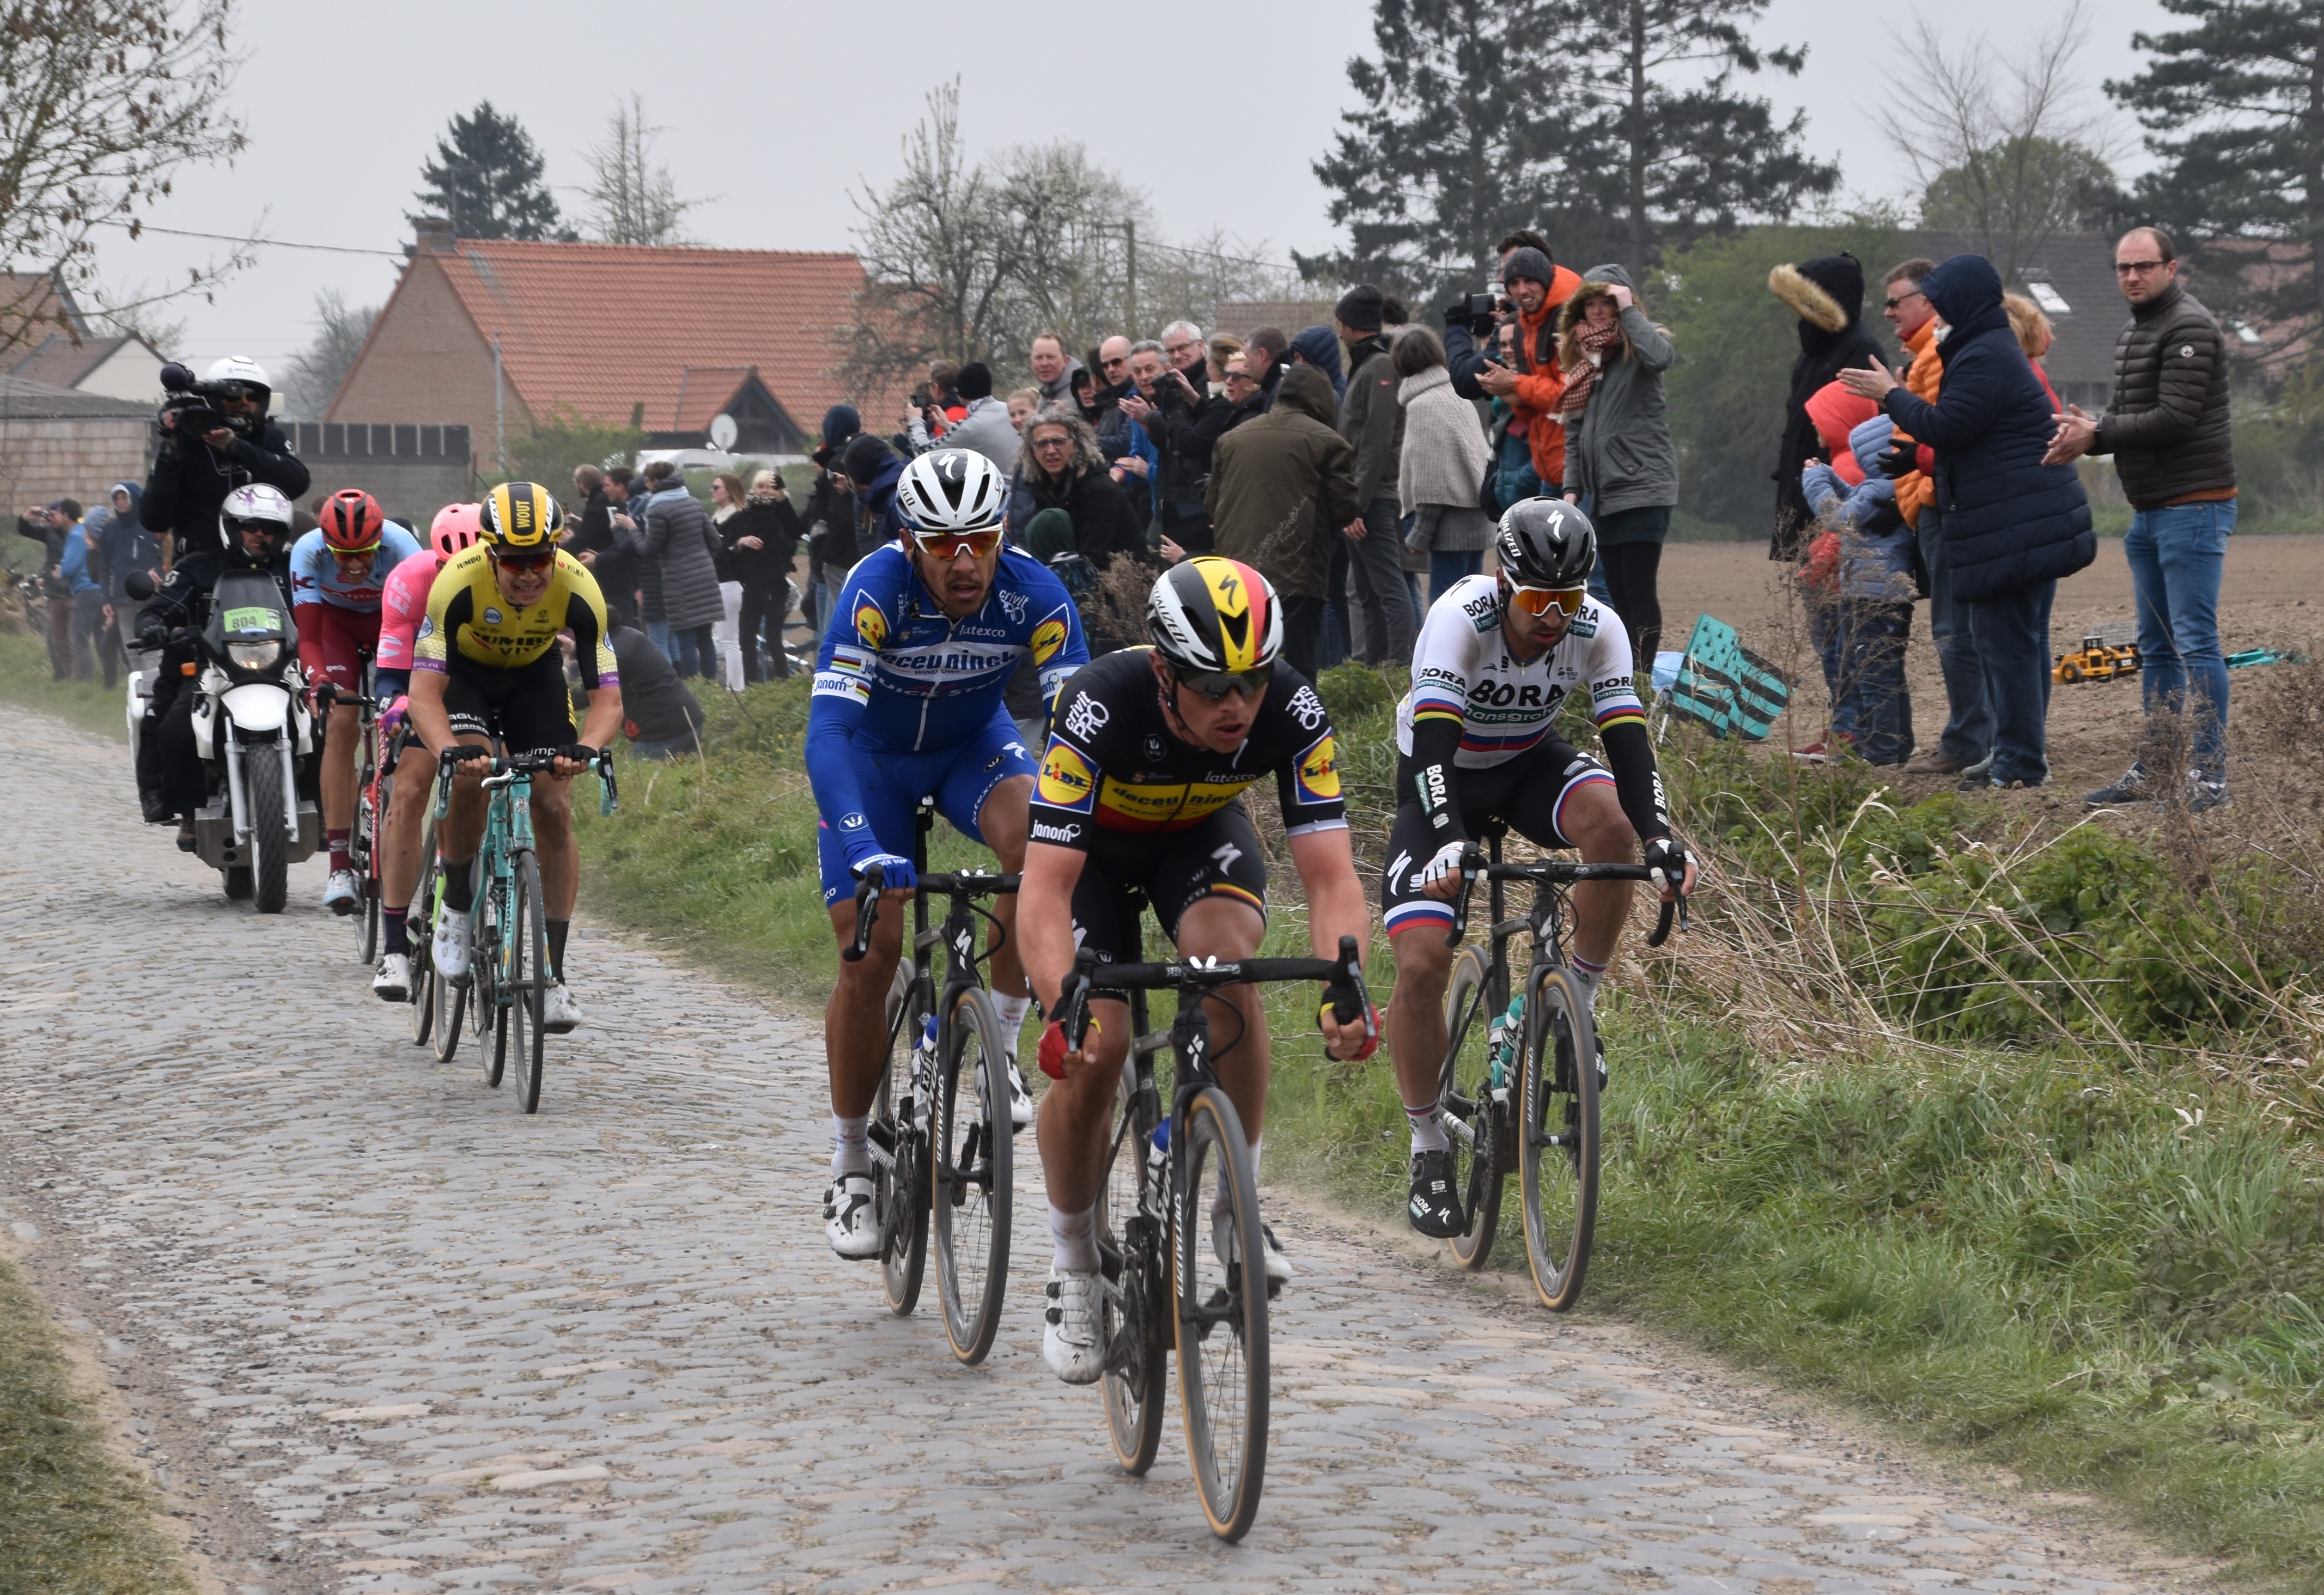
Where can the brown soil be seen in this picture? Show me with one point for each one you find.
(2273, 596)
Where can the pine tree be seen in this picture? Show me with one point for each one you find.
(2231, 106)
(486, 179)
(1463, 135)
(1683, 161)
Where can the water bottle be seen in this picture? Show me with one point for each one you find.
(1158, 1160)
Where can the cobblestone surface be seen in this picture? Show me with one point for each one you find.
(376, 1331)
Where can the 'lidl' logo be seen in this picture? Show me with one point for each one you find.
(1067, 781)
(1319, 772)
(871, 625)
(1047, 638)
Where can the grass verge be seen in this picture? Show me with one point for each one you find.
(72, 1520)
(1999, 1124)
(25, 679)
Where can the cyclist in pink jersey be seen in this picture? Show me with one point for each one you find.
(402, 606)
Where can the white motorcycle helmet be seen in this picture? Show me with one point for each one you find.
(243, 369)
(257, 502)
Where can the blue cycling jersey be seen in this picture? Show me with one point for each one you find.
(315, 576)
(897, 674)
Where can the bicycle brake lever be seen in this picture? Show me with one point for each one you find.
(609, 797)
(867, 913)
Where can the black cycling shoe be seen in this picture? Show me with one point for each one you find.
(157, 812)
(1436, 1207)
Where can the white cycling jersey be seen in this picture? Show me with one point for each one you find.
(1462, 670)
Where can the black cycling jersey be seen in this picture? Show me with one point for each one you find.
(1115, 765)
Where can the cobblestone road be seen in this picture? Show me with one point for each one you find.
(375, 1330)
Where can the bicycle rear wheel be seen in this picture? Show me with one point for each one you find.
(1219, 1282)
(973, 1177)
(523, 978)
(900, 1168)
(363, 853)
(1133, 1319)
(1472, 1118)
(1557, 1137)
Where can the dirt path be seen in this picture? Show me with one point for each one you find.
(374, 1330)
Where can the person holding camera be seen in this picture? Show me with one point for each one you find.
(215, 438)
(1537, 290)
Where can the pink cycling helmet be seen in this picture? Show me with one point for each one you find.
(457, 527)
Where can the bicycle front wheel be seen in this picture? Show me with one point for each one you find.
(1132, 1321)
(1219, 1286)
(900, 1168)
(523, 977)
(1557, 1137)
(363, 852)
(1472, 1118)
(973, 1169)
(485, 995)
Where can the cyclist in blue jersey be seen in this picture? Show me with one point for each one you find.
(338, 572)
(907, 704)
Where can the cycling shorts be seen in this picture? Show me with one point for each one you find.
(1529, 794)
(1217, 856)
(891, 786)
(525, 709)
(343, 639)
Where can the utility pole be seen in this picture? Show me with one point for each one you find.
(1129, 319)
(500, 424)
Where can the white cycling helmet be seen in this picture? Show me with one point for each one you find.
(240, 368)
(257, 502)
(951, 490)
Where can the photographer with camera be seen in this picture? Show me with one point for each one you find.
(1536, 289)
(215, 438)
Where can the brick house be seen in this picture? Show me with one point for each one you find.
(60, 443)
(44, 339)
(605, 331)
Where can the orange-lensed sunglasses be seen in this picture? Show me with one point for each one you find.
(1540, 600)
(947, 545)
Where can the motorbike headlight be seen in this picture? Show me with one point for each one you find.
(255, 656)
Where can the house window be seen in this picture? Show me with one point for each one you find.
(2049, 299)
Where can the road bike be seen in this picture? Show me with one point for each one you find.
(508, 930)
(1178, 1232)
(1540, 1046)
(941, 1136)
(375, 781)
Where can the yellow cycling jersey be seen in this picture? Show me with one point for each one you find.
(469, 620)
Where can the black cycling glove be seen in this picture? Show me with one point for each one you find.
(1668, 859)
(579, 752)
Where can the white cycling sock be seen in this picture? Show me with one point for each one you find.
(1010, 1011)
(1074, 1235)
(1427, 1128)
(1219, 1201)
(851, 1150)
(1589, 976)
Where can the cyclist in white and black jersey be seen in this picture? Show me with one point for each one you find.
(1498, 658)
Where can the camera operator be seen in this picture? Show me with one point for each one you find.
(215, 438)
(1536, 289)
(1170, 406)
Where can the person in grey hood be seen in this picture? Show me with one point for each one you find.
(986, 428)
(1053, 368)
(1617, 442)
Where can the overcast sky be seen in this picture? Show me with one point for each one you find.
(1214, 107)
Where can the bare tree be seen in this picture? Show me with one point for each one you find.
(634, 200)
(2001, 142)
(317, 370)
(101, 101)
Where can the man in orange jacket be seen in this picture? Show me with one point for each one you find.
(1536, 289)
(1968, 737)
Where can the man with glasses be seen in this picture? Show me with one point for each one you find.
(485, 668)
(2167, 429)
(1498, 657)
(1140, 795)
(1113, 385)
(1171, 403)
(908, 704)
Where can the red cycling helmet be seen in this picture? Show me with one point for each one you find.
(351, 520)
(457, 527)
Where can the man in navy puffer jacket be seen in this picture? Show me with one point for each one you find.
(2012, 525)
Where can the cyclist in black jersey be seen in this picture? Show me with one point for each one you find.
(1499, 657)
(1140, 791)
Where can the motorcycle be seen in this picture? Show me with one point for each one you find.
(252, 729)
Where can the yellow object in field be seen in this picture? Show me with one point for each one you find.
(2097, 660)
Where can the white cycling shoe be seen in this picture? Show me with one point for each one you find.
(1020, 1101)
(559, 1013)
(340, 896)
(1279, 1271)
(1070, 1340)
(851, 1220)
(449, 951)
(391, 981)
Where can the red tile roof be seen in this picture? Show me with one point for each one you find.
(604, 327)
(61, 363)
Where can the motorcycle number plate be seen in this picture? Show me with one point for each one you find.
(249, 620)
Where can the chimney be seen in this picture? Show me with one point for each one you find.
(432, 235)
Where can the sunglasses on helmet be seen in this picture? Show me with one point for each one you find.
(948, 545)
(524, 559)
(1214, 685)
(1538, 601)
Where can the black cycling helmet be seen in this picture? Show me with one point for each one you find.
(1546, 543)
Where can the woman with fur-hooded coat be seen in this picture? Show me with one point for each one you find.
(1827, 294)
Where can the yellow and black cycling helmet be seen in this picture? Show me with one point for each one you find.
(521, 515)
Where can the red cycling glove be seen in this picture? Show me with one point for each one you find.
(1055, 1048)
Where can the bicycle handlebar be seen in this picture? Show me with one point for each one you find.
(1344, 975)
(538, 761)
(1475, 865)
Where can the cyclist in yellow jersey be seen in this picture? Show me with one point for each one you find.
(485, 668)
